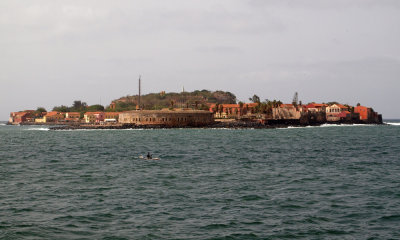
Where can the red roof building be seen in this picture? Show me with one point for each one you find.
(316, 107)
(94, 117)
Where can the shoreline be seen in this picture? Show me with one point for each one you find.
(217, 125)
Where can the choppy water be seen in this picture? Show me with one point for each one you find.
(331, 182)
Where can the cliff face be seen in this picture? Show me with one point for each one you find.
(156, 101)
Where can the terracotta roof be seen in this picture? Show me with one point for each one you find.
(112, 113)
(54, 113)
(251, 104)
(92, 113)
(316, 105)
(341, 106)
(343, 114)
(20, 113)
(235, 105)
(286, 105)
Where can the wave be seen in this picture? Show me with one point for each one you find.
(38, 129)
(393, 123)
(343, 125)
(330, 125)
(94, 130)
(2, 124)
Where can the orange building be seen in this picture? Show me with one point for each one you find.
(111, 116)
(53, 117)
(232, 110)
(365, 112)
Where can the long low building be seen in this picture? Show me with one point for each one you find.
(170, 118)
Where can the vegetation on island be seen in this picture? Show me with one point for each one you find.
(79, 106)
(156, 101)
(198, 99)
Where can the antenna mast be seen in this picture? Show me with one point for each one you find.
(140, 89)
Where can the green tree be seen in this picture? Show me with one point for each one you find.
(95, 108)
(61, 108)
(255, 99)
(78, 106)
(41, 109)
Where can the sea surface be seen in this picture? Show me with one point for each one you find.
(328, 182)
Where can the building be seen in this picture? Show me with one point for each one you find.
(288, 111)
(18, 117)
(53, 116)
(111, 116)
(232, 110)
(166, 117)
(93, 117)
(72, 116)
(333, 111)
(366, 114)
(316, 107)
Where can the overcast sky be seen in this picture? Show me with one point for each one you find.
(54, 52)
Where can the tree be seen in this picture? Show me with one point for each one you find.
(78, 106)
(61, 108)
(221, 108)
(241, 108)
(255, 99)
(40, 110)
(95, 108)
(216, 108)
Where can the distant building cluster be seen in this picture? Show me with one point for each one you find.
(277, 111)
(31, 116)
(320, 112)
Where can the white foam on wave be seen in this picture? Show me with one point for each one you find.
(346, 125)
(96, 130)
(38, 129)
(393, 123)
(329, 125)
(2, 124)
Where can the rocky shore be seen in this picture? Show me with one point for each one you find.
(230, 124)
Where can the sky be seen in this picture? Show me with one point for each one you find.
(54, 52)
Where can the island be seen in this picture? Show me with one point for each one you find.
(199, 109)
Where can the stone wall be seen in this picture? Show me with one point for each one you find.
(170, 118)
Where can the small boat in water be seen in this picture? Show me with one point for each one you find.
(148, 158)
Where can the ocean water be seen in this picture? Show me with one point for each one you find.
(329, 182)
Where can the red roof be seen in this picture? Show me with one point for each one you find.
(342, 106)
(235, 105)
(19, 113)
(316, 105)
(92, 113)
(343, 114)
(54, 113)
(112, 113)
(286, 105)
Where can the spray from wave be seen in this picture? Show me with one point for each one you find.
(393, 123)
(38, 129)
